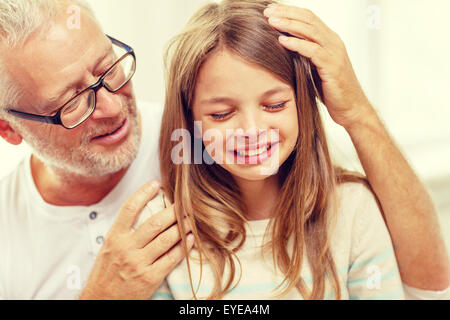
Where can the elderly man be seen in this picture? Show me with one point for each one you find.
(67, 212)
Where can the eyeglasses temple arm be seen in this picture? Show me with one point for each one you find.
(28, 116)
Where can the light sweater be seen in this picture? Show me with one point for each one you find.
(360, 245)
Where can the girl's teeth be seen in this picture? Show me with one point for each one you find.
(250, 153)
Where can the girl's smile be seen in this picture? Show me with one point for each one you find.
(255, 154)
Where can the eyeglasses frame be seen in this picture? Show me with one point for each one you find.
(56, 119)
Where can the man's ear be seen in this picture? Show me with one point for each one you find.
(9, 134)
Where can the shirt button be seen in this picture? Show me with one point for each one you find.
(100, 239)
(93, 215)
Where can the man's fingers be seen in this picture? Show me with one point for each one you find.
(298, 29)
(161, 244)
(133, 206)
(306, 48)
(153, 226)
(293, 13)
(167, 262)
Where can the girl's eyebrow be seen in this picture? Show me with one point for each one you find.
(223, 100)
(280, 89)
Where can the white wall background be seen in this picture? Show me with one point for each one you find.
(399, 48)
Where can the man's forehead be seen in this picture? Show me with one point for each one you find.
(50, 60)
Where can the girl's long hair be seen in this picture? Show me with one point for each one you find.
(208, 194)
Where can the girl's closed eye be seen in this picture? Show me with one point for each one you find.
(275, 107)
(272, 108)
(220, 116)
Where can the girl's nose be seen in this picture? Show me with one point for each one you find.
(252, 126)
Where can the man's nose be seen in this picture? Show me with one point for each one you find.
(109, 105)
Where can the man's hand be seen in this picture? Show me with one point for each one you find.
(310, 37)
(408, 209)
(132, 264)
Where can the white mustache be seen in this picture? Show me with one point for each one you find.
(110, 125)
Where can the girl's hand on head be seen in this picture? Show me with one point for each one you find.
(310, 37)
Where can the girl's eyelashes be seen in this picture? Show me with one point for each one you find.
(220, 116)
(274, 107)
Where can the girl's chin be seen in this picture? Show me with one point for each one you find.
(253, 174)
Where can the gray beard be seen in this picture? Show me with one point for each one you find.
(81, 161)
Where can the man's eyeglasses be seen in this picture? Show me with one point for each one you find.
(80, 107)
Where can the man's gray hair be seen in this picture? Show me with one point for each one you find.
(18, 20)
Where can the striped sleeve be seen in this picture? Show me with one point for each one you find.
(163, 292)
(373, 272)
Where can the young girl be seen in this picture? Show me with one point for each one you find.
(301, 229)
